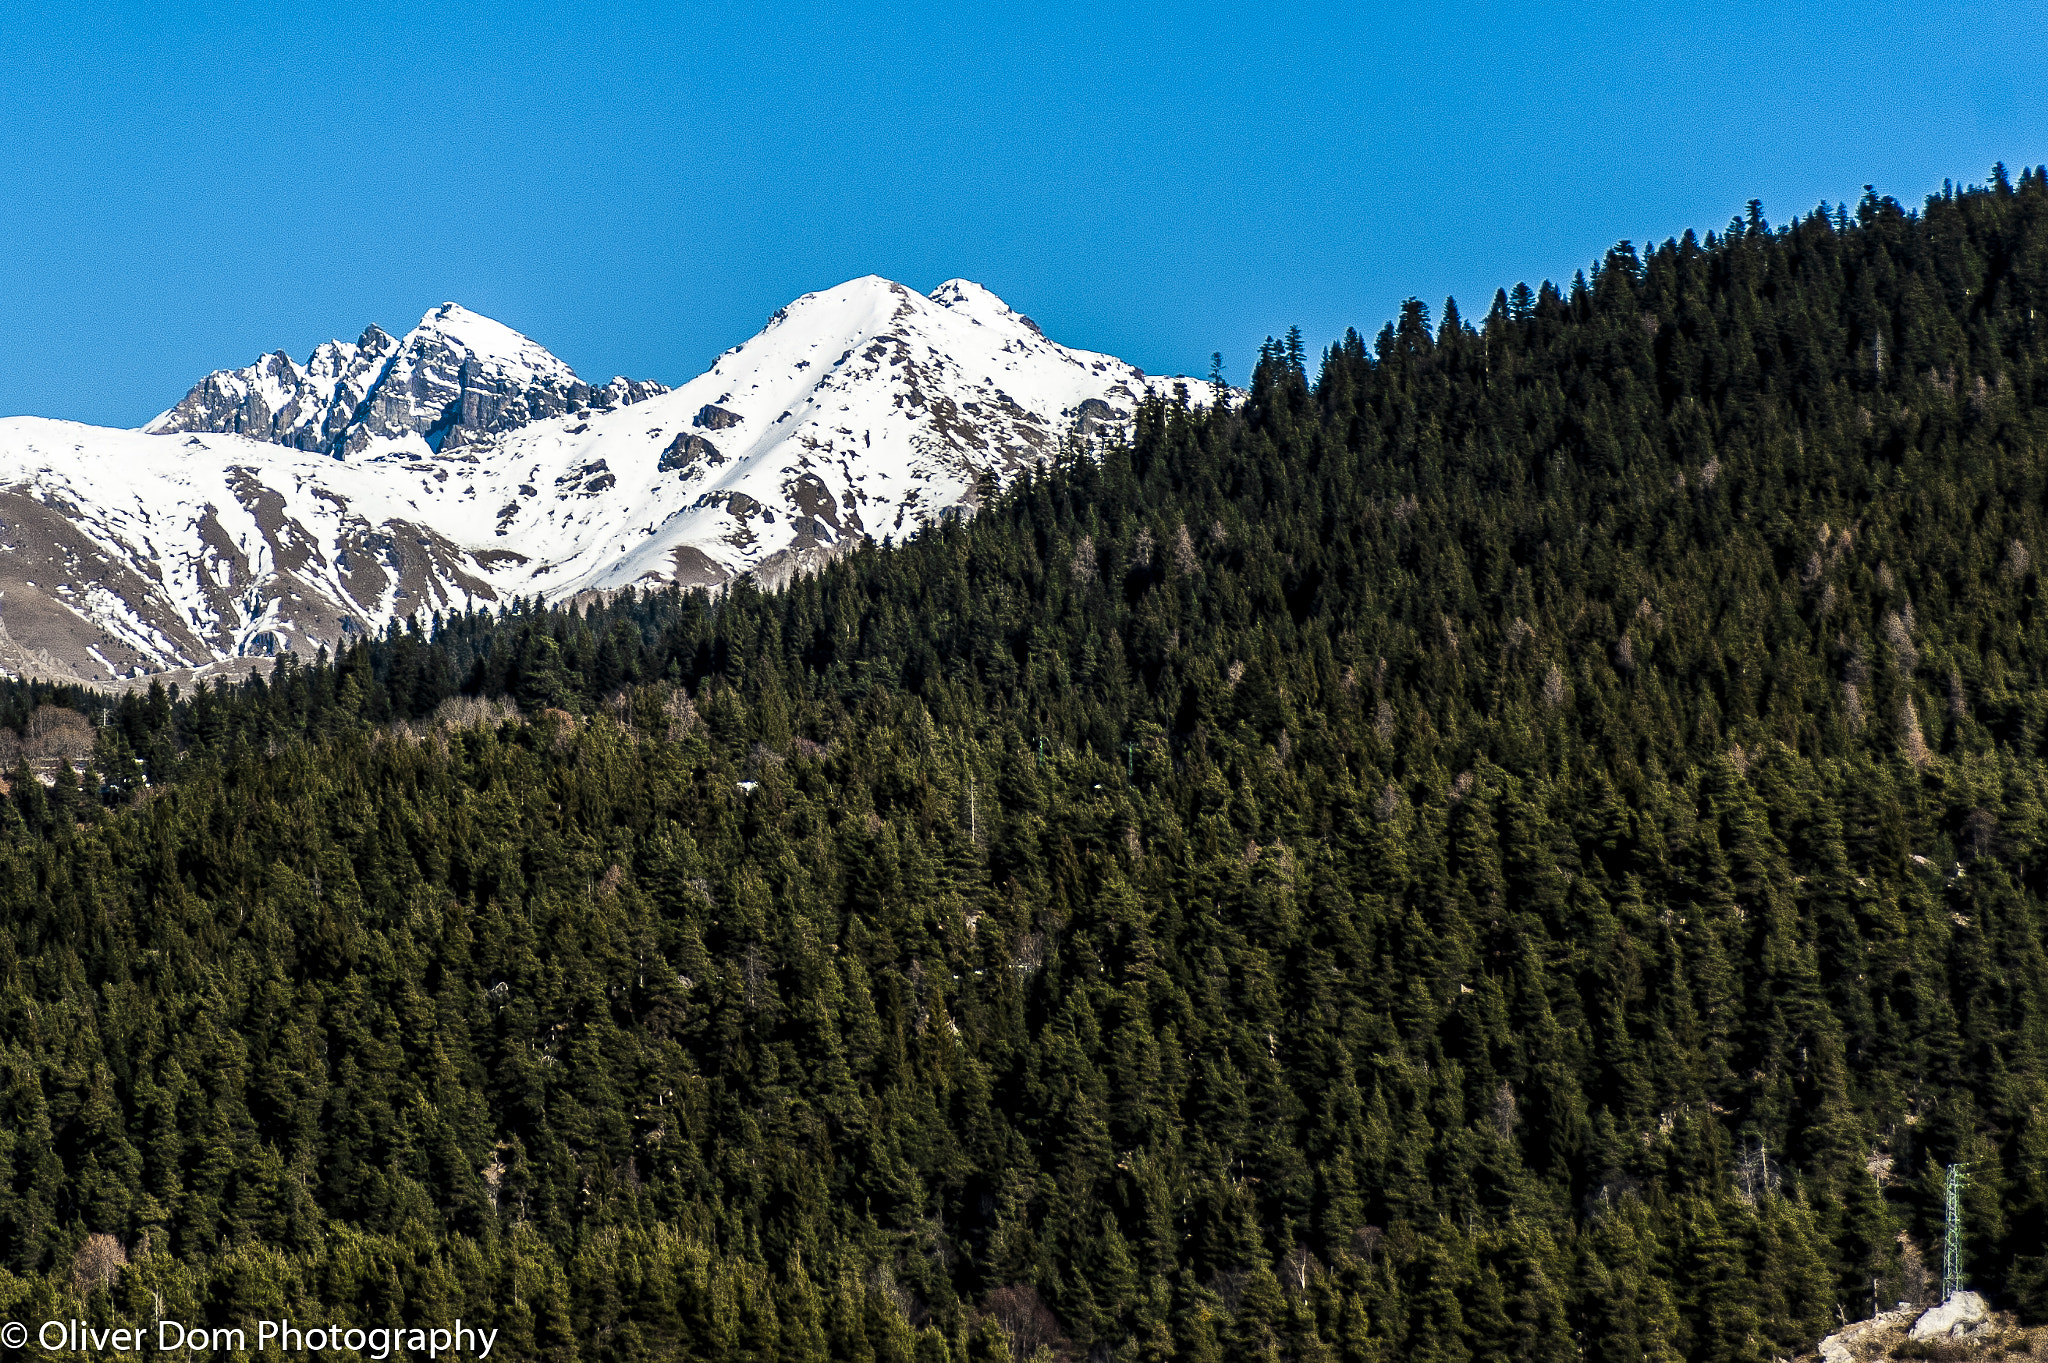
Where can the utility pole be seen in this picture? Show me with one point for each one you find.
(973, 818)
(1952, 1233)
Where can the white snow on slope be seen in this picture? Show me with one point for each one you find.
(163, 551)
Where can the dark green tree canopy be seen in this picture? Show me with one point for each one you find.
(1524, 838)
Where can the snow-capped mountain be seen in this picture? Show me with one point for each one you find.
(454, 379)
(860, 411)
(464, 465)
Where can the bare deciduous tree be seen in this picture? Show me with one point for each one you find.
(97, 1264)
(471, 712)
(1300, 1267)
(1027, 1323)
(1083, 566)
(1911, 741)
(54, 733)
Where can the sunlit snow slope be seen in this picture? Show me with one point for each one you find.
(859, 412)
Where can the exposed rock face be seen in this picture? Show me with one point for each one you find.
(1965, 1316)
(457, 379)
(1952, 1317)
(1093, 414)
(277, 400)
(688, 451)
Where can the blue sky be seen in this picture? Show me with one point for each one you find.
(185, 186)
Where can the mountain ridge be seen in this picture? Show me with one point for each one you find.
(456, 378)
(285, 507)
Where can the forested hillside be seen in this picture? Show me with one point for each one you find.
(1527, 840)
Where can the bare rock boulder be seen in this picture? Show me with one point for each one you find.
(1953, 1317)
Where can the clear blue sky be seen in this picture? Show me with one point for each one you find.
(185, 186)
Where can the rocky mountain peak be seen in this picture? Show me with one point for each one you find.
(457, 379)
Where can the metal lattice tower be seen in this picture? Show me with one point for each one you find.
(1952, 1234)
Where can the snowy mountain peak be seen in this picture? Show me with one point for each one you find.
(972, 300)
(456, 380)
(861, 411)
(485, 342)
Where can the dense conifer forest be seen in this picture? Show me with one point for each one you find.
(1525, 840)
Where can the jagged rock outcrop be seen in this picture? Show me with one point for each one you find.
(1966, 1316)
(456, 379)
(1954, 1316)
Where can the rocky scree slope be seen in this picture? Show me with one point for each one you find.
(286, 507)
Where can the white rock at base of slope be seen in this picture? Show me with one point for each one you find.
(1840, 1346)
(1964, 1308)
